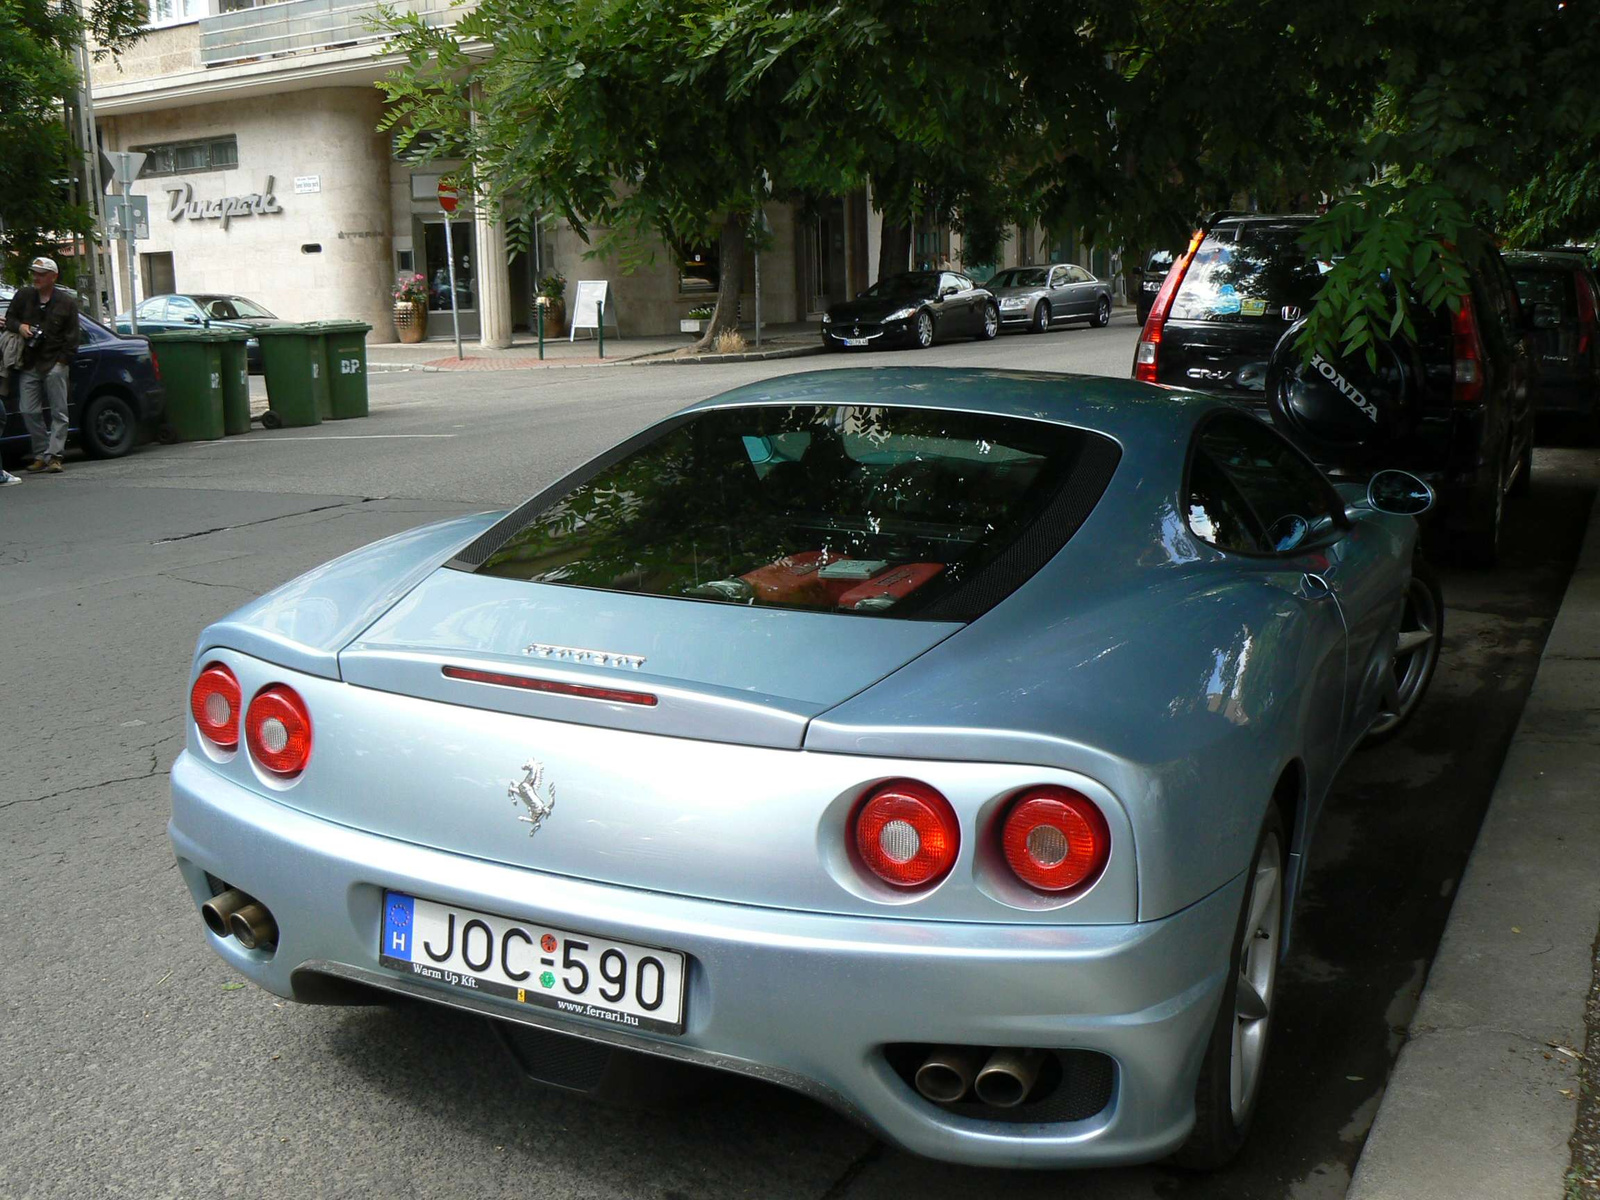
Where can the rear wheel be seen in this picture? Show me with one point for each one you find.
(107, 428)
(923, 332)
(1523, 483)
(1416, 654)
(1230, 1075)
(1479, 544)
(1041, 317)
(991, 323)
(1102, 313)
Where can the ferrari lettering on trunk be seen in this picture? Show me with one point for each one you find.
(575, 654)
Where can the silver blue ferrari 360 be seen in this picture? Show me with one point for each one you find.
(943, 744)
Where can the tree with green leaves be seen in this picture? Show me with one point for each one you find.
(1415, 123)
(38, 80)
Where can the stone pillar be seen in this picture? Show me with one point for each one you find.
(494, 276)
(494, 280)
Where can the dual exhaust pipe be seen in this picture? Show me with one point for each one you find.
(1000, 1078)
(241, 917)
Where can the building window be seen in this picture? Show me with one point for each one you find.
(175, 12)
(698, 270)
(188, 158)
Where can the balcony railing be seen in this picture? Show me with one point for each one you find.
(295, 26)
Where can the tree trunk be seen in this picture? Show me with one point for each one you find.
(894, 249)
(730, 277)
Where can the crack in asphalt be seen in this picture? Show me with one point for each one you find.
(152, 773)
(184, 537)
(233, 587)
(853, 1172)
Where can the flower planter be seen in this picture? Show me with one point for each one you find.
(695, 326)
(555, 315)
(410, 320)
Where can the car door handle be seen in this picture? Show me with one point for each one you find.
(1314, 586)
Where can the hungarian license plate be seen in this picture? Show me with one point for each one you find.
(856, 341)
(639, 987)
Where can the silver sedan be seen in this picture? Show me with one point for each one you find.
(1037, 298)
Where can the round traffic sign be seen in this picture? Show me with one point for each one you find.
(447, 197)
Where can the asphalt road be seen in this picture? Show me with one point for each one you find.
(132, 1063)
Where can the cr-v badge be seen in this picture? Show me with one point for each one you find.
(525, 791)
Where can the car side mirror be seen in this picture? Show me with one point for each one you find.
(948, 291)
(1399, 493)
(191, 320)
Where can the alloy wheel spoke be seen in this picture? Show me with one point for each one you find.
(1412, 639)
(1266, 887)
(1251, 1005)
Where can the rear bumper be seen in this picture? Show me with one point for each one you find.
(1582, 399)
(151, 400)
(803, 999)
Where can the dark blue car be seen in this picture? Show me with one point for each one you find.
(117, 393)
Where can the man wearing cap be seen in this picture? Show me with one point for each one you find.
(46, 318)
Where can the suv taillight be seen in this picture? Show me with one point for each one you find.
(1586, 313)
(1147, 357)
(1468, 355)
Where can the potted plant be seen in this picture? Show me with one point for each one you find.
(553, 295)
(696, 319)
(411, 307)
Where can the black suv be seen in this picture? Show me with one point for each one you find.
(1456, 408)
(1560, 291)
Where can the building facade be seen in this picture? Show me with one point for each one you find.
(266, 177)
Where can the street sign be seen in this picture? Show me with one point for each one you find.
(448, 198)
(119, 209)
(121, 166)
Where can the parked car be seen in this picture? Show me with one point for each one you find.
(943, 744)
(915, 308)
(117, 394)
(160, 313)
(1151, 276)
(1036, 298)
(1455, 409)
(1561, 292)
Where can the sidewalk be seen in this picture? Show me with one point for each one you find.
(522, 354)
(787, 340)
(1483, 1100)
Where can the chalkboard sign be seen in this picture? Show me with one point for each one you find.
(586, 306)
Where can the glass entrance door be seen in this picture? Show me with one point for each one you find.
(435, 267)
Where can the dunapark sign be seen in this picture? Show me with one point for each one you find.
(181, 205)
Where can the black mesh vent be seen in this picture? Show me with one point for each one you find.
(576, 1064)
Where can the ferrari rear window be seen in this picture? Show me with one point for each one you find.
(874, 511)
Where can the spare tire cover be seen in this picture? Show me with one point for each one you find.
(1340, 409)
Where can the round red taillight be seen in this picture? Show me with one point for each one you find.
(214, 704)
(278, 729)
(907, 834)
(1055, 839)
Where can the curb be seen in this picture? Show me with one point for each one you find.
(748, 356)
(1484, 1096)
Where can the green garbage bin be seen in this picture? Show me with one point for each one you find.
(191, 367)
(235, 381)
(297, 381)
(318, 333)
(347, 368)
